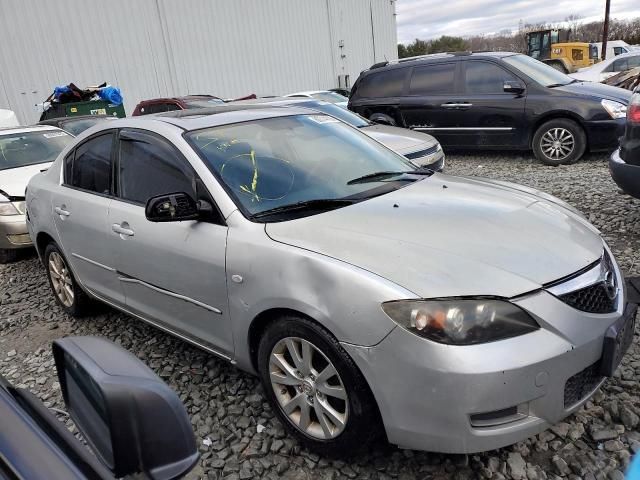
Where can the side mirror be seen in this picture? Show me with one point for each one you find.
(130, 418)
(173, 207)
(513, 87)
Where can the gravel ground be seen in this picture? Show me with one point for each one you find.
(239, 436)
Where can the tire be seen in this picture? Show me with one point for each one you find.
(383, 119)
(558, 66)
(73, 300)
(359, 410)
(562, 130)
(8, 255)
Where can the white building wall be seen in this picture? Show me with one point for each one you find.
(157, 48)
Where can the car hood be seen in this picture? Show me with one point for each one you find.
(14, 181)
(453, 236)
(597, 90)
(401, 140)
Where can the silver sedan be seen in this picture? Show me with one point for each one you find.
(450, 314)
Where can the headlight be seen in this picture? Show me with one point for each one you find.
(461, 321)
(9, 208)
(438, 147)
(614, 109)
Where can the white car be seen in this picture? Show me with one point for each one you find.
(24, 152)
(8, 118)
(324, 95)
(608, 68)
(616, 47)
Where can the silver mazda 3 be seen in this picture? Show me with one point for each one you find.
(450, 314)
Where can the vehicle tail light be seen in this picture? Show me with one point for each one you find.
(633, 112)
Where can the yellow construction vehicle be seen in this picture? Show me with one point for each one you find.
(554, 48)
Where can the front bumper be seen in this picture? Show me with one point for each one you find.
(626, 176)
(476, 398)
(604, 134)
(13, 232)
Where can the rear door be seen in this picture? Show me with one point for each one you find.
(172, 273)
(432, 101)
(491, 117)
(81, 214)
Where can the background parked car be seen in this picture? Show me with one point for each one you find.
(101, 384)
(8, 118)
(494, 100)
(24, 151)
(609, 67)
(324, 95)
(345, 92)
(421, 148)
(625, 162)
(300, 249)
(76, 125)
(160, 105)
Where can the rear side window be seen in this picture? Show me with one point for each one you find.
(620, 65)
(433, 79)
(485, 77)
(150, 166)
(389, 83)
(91, 169)
(633, 62)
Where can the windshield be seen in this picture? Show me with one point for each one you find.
(343, 114)
(203, 103)
(22, 149)
(76, 127)
(276, 162)
(331, 97)
(539, 72)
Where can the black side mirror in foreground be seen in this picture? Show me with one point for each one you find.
(130, 418)
(513, 87)
(172, 207)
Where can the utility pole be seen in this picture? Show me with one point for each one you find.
(605, 30)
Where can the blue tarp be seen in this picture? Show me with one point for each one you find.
(111, 95)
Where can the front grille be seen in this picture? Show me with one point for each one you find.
(581, 384)
(422, 153)
(592, 299)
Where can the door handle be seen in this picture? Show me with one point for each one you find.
(122, 229)
(61, 211)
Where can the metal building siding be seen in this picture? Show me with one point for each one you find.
(157, 48)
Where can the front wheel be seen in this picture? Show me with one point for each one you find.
(315, 388)
(559, 141)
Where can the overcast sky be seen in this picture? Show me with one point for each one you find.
(427, 19)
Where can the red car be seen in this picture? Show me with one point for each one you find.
(159, 105)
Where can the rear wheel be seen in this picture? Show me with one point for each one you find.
(315, 387)
(559, 141)
(65, 289)
(8, 256)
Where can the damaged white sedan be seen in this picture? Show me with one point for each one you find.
(450, 314)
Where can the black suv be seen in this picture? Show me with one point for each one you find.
(494, 100)
(625, 162)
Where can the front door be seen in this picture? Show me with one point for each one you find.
(81, 211)
(492, 118)
(173, 273)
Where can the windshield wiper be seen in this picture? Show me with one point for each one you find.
(379, 176)
(553, 85)
(315, 204)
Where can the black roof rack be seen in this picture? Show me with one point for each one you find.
(378, 65)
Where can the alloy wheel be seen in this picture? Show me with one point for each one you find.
(308, 388)
(61, 279)
(557, 143)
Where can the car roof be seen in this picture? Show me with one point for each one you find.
(27, 129)
(438, 57)
(219, 115)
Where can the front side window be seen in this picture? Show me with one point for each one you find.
(620, 65)
(149, 166)
(538, 72)
(277, 162)
(433, 79)
(91, 169)
(485, 78)
(382, 84)
(29, 148)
